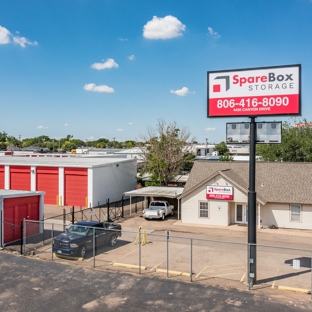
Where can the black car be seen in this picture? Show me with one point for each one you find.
(78, 238)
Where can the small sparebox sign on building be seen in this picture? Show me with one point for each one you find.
(219, 192)
(254, 92)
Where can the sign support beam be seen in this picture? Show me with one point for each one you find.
(252, 214)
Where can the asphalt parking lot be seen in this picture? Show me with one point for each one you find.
(210, 256)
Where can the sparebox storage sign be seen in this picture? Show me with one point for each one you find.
(254, 92)
(219, 192)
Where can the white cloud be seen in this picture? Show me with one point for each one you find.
(119, 130)
(213, 33)
(90, 138)
(42, 127)
(4, 35)
(122, 39)
(110, 63)
(7, 37)
(66, 125)
(182, 92)
(163, 28)
(131, 57)
(101, 88)
(210, 129)
(22, 41)
(130, 123)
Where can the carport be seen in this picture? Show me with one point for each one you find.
(157, 191)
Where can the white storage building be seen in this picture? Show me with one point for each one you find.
(70, 181)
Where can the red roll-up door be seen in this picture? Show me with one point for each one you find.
(2, 177)
(76, 186)
(15, 210)
(47, 180)
(20, 178)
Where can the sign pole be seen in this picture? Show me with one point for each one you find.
(252, 215)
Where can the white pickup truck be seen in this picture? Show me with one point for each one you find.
(158, 209)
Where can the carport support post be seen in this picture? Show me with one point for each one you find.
(64, 219)
(73, 215)
(122, 206)
(252, 231)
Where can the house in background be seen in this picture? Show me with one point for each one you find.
(216, 193)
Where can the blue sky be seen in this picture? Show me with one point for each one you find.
(111, 68)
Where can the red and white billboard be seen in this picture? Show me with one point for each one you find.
(254, 92)
(219, 192)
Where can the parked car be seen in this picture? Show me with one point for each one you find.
(78, 238)
(158, 210)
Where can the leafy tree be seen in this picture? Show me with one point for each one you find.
(226, 157)
(221, 148)
(296, 145)
(166, 151)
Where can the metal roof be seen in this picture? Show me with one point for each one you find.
(157, 191)
(18, 193)
(61, 161)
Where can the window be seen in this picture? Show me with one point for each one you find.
(295, 213)
(203, 209)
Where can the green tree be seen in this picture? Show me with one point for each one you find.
(221, 148)
(226, 157)
(166, 151)
(296, 144)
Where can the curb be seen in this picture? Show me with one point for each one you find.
(301, 290)
(173, 272)
(129, 266)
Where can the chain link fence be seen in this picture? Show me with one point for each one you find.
(199, 260)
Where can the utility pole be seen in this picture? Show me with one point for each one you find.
(206, 146)
(113, 142)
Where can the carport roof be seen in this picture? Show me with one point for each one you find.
(157, 191)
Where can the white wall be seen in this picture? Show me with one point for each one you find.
(279, 215)
(218, 209)
(111, 181)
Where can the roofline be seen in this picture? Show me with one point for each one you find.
(262, 201)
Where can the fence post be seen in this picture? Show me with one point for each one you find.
(93, 247)
(122, 206)
(167, 253)
(107, 202)
(73, 215)
(52, 235)
(191, 269)
(64, 219)
(140, 250)
(22, 237)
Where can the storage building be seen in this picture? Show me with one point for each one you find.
(70, 181)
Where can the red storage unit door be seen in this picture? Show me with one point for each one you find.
(20, 178)
(47, 180)
(15, 210)
(76, 186)
(1, 177)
